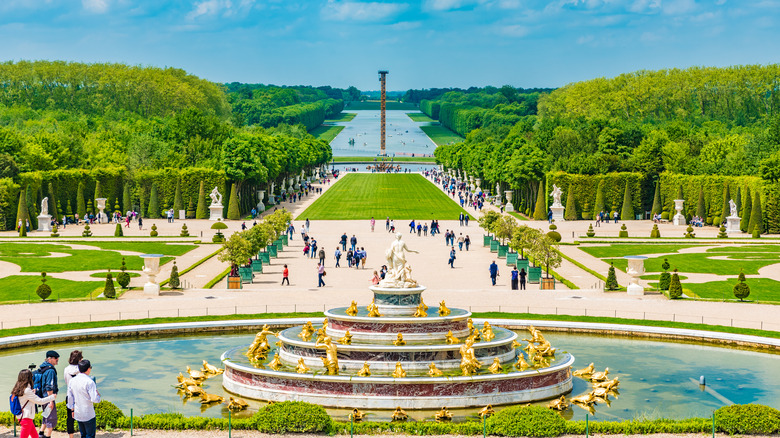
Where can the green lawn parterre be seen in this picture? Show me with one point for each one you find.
(326, 132)
(399, 196)
(342, 117)
(21, 288)
(441, 135)
(420, 117)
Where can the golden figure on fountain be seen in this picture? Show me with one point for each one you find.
(487, 332)
(365, 371)
(599, 376)
(373, 310)
(433, 371)
(346, 339)
(211, 369)
(559, 404)
(352, 310)
(399, 340)
(451, 339)
(420, 313)
(276, 363)
(400, 415)
(585, 372)
(486, 411)
(608, 384)
(399, 371)
(495, 368)
(468, 361)
(306, 331)
(301, 368)
(443, 415)
(521, 364)
(210, 398)
(237, 404)
(331, 360)
(443, 310)
(473, 331)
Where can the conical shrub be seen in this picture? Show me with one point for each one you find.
(741, 289)
(675, 288)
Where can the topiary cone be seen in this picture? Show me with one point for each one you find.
(108, 290)
(675, 288)
(741, 289)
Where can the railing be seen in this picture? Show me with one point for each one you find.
(773, 325)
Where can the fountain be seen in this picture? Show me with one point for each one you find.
(394, 354)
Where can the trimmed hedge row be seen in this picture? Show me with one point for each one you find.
(536, 421)
(585, 188)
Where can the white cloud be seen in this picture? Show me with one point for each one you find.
(514, 30)
(406, 25)
(357, 11)
(445, 5)
(678, 7)
(207, 8)
(585, 39)
(641, 6)
(95, 6)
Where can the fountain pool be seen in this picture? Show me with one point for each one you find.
(658, 378)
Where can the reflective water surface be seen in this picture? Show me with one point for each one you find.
(658, 379)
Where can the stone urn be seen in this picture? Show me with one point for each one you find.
(260, 198)
(636, 267)
(509, 206)
(679, 219)
(101, 205)
(151, 268)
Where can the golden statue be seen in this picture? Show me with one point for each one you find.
(559, 404)
(521, 364)
(195, 374)
(451, 339)
(602, 393)
(400, 415)
(599, 376)
(545, 349)
(399, 341)
(331, 360)
(373, 310)
(608, 384)
(356, 415)
(443, 310)
(185, 382)
(210, 398)
(585, 372)
(325, 324)
(211, 369)
(516, 344)
(352, 310)
(540, 361)
(496, 367)
(260, 346)
(420, 313)
(346, 339)
(301, 368)
(486, 411)
(443, 415)
(468, 361)
(470, 324)
(433, 371)
(422, 303)
(276, 363)
(365, 371)
(193, 390)
(487, 332)
(320, 335)
(399, 371)
(584, 399)
(536, 335)
(306, 331)
(236, 404)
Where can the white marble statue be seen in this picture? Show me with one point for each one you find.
(45, 206)
(399, 273)
(733, 208)
(216, 197)
(556, 194)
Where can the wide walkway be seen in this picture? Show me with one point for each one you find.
(467, 285)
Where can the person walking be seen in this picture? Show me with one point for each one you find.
(467, 241)
(321, 255)
(353, 242)
(140, 222)
(69, 373)
(285, 275)
(425, 229)
(23, 390)
(460, 217)
(493, 272)
(461, 240)
(466, 219)
(313, 252)
(337, 256)
(451, 261)
(49, 386)
(350, 256)
(343, 241)
(373, 222)
(82, 396)
(419, 230)
(320, 274)
(392, 226)
(387, 223)
(411, 226)
(363, 257)
(375, 279)
(515, 277)
(522, 278)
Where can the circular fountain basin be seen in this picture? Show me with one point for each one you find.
(397, 301)
(386, 328)
(383, 357)
(349, 391)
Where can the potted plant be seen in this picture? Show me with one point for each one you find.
(523, 240)
(237, 251)
(546, 252)
(486, 223)
(504, 228)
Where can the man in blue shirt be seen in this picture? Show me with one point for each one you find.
(493, 272)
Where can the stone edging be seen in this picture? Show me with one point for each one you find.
(255, 324)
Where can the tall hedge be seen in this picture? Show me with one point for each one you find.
(203, 211)
(656, 208)
(712, 187)
(585, 188)
(233, 211)
(627, 211)
(154, 204)
(571, 209)
(756, 216)
(599, 205)
(540, 210)
(178, 203)
(746, 210)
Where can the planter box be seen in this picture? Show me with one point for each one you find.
(534, 274)
(511, 258)
(548, 283)
(502, 250)
(284, 240)
(522, 264)
(494, 246)
(279, 245)
(265, 257)
(486, 240)
(245, 272)
(257, 265)
(273, 251)
(234, 282)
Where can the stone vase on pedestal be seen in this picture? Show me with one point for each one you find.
(636, 267)
(260, 197)
(101, 205)
(679, 219)
(151, 268)
(509, 206)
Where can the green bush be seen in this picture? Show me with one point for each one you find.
(44, 290)
(756, 233)
(153, 233)
(108, 290)
(748, 420)
(655, 233)
(689, 234)
(107, 415)
(184, 231)
(293, 417)
(722, 232)
(623, 231)
(664, 281)
(54, 231)
(118, 230)
(675, 288)
(612, 283)
(590, 232)
(526, 421)
(174, 279)
(741, 289)
(87, 232)
(123, 278)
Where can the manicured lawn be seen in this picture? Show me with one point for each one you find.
(326, 133)
(441, 135)
(700, 263)
(399, 196)
(145, 247)
(747, 248)
(20, 288)
(31, 257)
(618, 250)
(342, 117)
(371, 159)
(419, 117)
(761, 289)
(113, 274)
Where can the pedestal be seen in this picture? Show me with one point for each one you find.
(636, 267)
(732, 224)
(44, 222)
(557, 213)
(151, 289)
(216, 212)
(678, 219)
(182, 214)
(151, 268)
(635, 289)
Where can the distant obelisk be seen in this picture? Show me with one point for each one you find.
(382, 79)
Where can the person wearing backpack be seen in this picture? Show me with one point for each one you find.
(23, 400)
(45, 384)
(69, 373)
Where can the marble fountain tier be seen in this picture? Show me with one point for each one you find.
(354, 358)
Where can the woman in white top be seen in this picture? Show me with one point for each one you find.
(70, 372)
(27, 399)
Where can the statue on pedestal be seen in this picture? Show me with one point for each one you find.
(399, 274)
(216, 197)
(45, 206)
(732, 207)
(556, 194)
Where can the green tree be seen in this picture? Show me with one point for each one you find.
(174, 278)
(675, 288)
(108, 290)
(44, 290)
(123, 278)
(154, 206)
(21, 213)
(127, 200)
(54, 211)
(504, 228)
(81, 205)
(741, 289)
(756, 225)
(747, 209)
(701, 209)
(238, 251)
(98, 190)
(612, 283)
(540, 210)
(665, 279)
(657, 206)
(546, 252)
(571, 209)
(488, 220)
(203, 210)
(233, 209)
(178, 203)
(724, 211)
(523, 239)
(627, 213)
(599, 206)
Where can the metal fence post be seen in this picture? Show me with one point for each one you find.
(587, 431)
(131, 421)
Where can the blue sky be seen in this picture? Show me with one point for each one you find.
(429, 43)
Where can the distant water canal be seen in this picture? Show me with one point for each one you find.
(403, 136)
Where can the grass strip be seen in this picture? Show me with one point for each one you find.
(518, 216)
(420, 117)
(342, 117)
(441, 135)
(372, 159)
(198, 263)
(585, 268)
(326, 133)
(217, 279)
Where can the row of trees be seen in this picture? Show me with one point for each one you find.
(269, 105)
(241, 247)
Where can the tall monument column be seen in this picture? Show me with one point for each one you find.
(382, 78)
